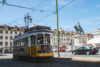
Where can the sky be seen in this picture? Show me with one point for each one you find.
(87, 12)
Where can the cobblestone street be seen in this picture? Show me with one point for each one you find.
(59, 63)
(66, 60)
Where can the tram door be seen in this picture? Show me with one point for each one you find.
(33, 45)
(40, 42)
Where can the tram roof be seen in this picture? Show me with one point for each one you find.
(29, 33)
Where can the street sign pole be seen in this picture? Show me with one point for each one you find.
(57, 22)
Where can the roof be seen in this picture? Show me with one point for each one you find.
(29, 33)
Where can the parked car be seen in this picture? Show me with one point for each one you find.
(93, 50)
(85, 50)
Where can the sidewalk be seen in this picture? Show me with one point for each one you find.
(6, 56)
(63, 54)
(86, 59)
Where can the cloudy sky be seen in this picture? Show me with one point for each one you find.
(87, 12)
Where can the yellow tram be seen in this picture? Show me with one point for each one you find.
(34, 43)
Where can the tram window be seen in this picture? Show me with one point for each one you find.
(15, 43)
(22, 43)
(40, 38)
(18, 43)
(33, 39)
(47, 37)
(26, 42)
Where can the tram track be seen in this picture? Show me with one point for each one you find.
(56, 62)
(48, 60)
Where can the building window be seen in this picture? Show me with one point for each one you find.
(15, 36)
(1, 37)
(6, 32)
(6, 43)
(1, 43)
(11, 38)
(11, 32)
(1, 50)
(1, 31)
(11, 44)
(6, 37)
(15, 32)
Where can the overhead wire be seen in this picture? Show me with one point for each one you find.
(54, 12)
(40, 10)
(64, 6)
(20, 6)
(67, 4)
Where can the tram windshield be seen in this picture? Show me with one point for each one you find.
(44, 41)
(40, 39)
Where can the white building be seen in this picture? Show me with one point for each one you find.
(96, 33)
(64, 38)
(81, 39)
(95, 41)
(7, 34)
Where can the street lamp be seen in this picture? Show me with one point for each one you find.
(27, 20)
(57, 22)
(3, 2)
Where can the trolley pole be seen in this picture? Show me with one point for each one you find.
(57, 23)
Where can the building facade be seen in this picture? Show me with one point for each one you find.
(96, 33)
(70, 39)
(81, 39)
(65, 38)
(95, 41)
(7, 34)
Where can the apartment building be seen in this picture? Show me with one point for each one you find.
(7, 34)
(65, 38)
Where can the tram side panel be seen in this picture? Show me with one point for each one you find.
(20, 48)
